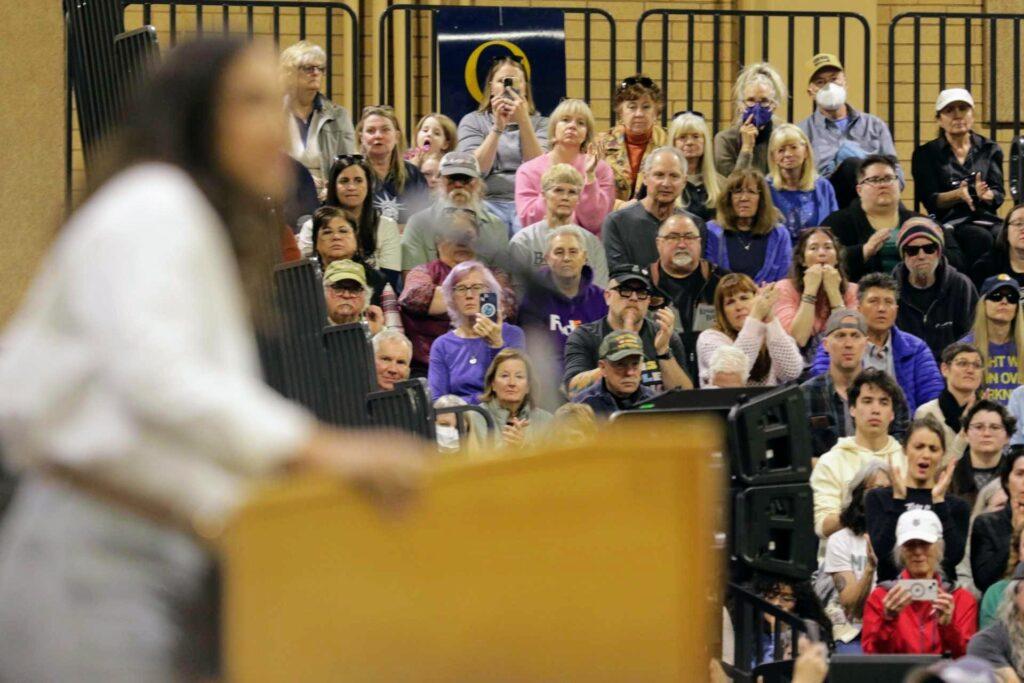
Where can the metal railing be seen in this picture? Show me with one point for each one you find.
(386, 55)
(741, 25)
(748, 616)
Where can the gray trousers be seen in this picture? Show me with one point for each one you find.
(90, 592)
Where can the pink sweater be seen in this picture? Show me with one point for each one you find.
(787, 363)
(789, 301)
(596, 200)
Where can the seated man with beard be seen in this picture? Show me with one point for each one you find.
(348, 296)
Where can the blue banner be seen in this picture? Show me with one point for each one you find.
(471, 38)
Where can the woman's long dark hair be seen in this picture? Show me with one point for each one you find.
(172, 119)
(798, 267)
(366, 223)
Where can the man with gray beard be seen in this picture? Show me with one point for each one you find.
(461, 190)
(688, 280)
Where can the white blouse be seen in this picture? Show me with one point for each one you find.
(133, 355)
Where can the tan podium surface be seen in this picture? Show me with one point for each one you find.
(588, 562)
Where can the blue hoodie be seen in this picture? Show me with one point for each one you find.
(545, 308)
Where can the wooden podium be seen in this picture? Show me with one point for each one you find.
(582, 562)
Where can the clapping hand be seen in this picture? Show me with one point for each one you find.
(982, 190)
(514, 432)
(899, 484)
(764, 303)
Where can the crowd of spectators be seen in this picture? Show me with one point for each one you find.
(553, 273)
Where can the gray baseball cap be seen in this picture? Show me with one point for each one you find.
(459, 163)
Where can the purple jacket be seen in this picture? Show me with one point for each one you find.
(458, 366)
(544, 309)
(776, 259)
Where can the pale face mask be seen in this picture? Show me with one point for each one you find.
(831, 97)
(447, 438)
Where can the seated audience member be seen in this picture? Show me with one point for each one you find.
(628, 297)
(392, 355)
(572, 423)
(988, 426)
(422, 303)
(508, 397)
(991, 531)
(889, 349)
(430, 167)
(840, 135)
(446, 426)
(958, 176)
(687, 280)
(637, 105)
(816, 286)
(896, 623)
(850, 560)
(350, 187)
(571, 129)
(923, 485)
(998, 333)
(348, 296)
(869, 225)
(802, 197)
(399, 189)
(502, 133)
(336, 238)
(747, 236)
(825, 395)
(936, 300)
(991, 498)
(564, 295)
(528, 248)
(460, 358)
(962, 368)
(795, 597)
(619, 366)
(758, 92)
(996, 595)
(744, 318)
(629, 233)
(1007, 254)
(303, 66)
(689, 133)
(1001, 641)
(435, 134)
(729, 368)
(461, 189)
(873, 396)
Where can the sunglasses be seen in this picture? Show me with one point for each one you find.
(501, 58)
(630, 292)
(1008, 296)
(636, 80)
(698, 114)
(350, 158)
(915, 250)
(373, 108)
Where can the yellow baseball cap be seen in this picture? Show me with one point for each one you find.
(821, 61)
(345, 269)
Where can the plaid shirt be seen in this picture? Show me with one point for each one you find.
(830, 418)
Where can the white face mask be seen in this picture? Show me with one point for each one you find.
(831, 97)
(447, 438)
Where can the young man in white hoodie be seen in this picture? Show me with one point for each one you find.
(872, 396)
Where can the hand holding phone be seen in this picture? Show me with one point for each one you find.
(920, 590)
(489, 305)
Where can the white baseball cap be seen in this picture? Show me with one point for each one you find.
(948, 97)
(918, 525)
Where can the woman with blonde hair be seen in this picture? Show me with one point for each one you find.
(571, 130)
(804, 198)
(508, 395)
(503, 133)
(689, 133)
(435, 134)
(747, 235)
(759, 91)
(400, 190)
(998, 334)
(744, 318)
(319, 129)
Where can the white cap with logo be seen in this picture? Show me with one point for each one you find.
(918, 525)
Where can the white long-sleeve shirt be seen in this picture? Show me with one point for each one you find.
(787, 363)
(133, 356)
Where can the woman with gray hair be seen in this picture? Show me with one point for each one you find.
(319, 129)
(919, 613)
(759, 91)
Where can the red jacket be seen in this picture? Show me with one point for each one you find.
(916, 630)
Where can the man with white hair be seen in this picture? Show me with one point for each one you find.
(392, 356)
(629, 233)
(729, 368)
(462, 190)
(348, 296)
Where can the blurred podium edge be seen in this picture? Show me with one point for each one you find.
(589, 561)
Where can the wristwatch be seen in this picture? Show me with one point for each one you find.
(664, 356)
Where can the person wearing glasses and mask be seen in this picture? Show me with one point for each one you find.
(319, 129)
(505, 131)
(629, 300)
(758, 92)
(840, 135)
(638, 104)
(868, 227)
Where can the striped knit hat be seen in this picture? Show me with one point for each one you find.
(919, 226)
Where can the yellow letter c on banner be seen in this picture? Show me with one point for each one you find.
(472, 82)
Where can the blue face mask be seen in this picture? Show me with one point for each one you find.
(762, 115)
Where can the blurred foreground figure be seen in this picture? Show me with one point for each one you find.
(132, 366)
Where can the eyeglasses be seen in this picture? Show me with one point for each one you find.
(629, 293)
(349, 158)
(636, 80)
(994, 427)
(698, 114)
(463, 290)
(764, 102)
(676, 237)
(310, 69)
(1016, 225)
(912, 250)
(879, 180)
(1003, 295)
(347, 288)
(965, 364)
